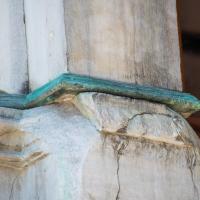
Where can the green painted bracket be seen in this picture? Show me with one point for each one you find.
(75, 84)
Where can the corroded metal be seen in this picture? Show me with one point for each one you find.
(75, 84)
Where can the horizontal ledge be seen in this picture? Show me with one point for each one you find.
(146, 138)
(74, 84)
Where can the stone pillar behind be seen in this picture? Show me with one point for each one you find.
(133, 41)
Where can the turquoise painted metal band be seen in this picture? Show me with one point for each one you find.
(75, 84)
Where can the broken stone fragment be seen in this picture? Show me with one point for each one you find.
(136, 118)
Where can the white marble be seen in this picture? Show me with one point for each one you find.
(67, 136)
(46, 42)
(84, 162)
(133, 117)
(13, 51)
(133, 41)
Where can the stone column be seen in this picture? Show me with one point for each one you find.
(133, 41)
(13, 55)
(98, 146)
(146, 150)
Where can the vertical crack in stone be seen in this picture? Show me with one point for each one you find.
(118, 179)
(120, 144)
(12, 186)
(26, 85)
(179, 126)
(191, 162)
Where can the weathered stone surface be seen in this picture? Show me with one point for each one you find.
(13, 50)
(100, 159)
(135, 118)
(120, 167)
(67, 136)
(135, 41)
(130, 149)
(19, 149)
(45, 31)
(153, 151)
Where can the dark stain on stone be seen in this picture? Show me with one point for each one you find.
(25, 88)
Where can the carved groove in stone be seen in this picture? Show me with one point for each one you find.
(19, 149)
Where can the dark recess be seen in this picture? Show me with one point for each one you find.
(189, 25)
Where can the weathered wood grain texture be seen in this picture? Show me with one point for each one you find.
(46, 40)
(13, 56)
(71, 84)
(134, 41)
